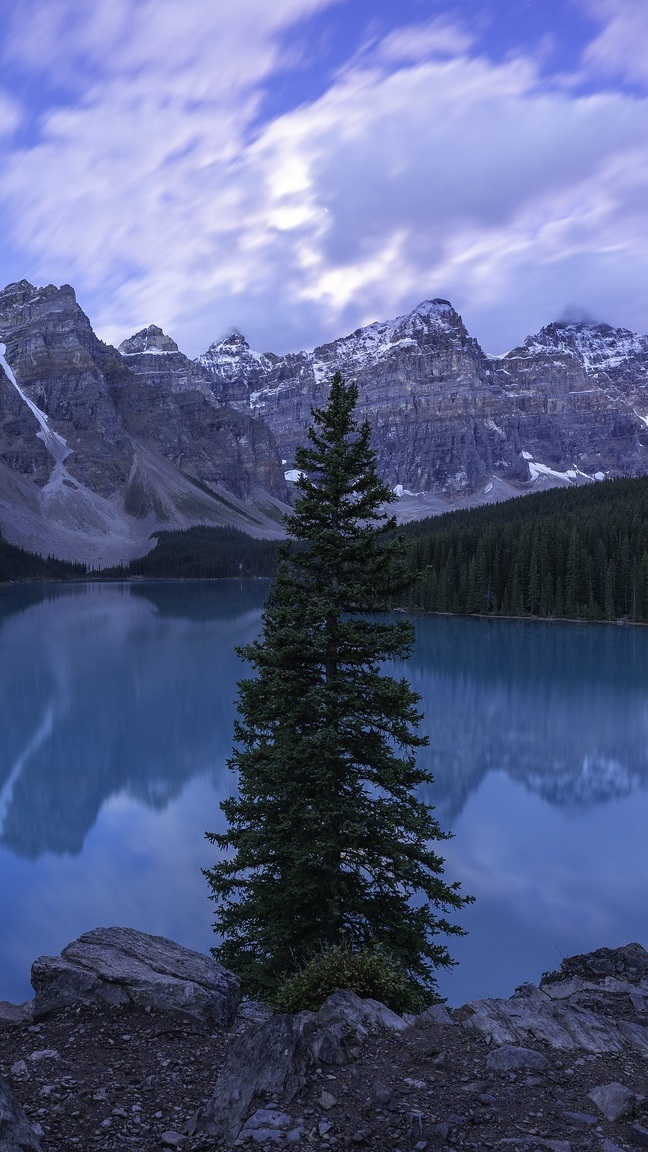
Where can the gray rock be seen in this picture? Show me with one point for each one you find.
(615, 1101)
(570, 1009)
(253, 1012)
(581, 1119)
(279, 1056)
(270, 1126)
(510, 1057)
(629, 963)
(124, 966)
(381, 1093)
(435, 1014)
(16, 1013)
(16, 1133)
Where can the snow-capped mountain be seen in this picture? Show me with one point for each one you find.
(569, 405)
(149, 438)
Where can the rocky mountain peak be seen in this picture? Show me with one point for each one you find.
(234, 339)
(438, 308)
(432, 317)
(151, 339)
(228, 360)
(234, 344)
(594, 345)
(22, 304)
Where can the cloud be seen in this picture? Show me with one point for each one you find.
(417, 42)
(10, 114)
(576, 314)
(421, 170)
(620, 48)
(130, 37)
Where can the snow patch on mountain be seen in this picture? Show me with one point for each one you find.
(227, 358)
(54, 443)
(151, 341)
(598, 347)
(377, 341)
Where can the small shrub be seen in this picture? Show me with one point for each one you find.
(369, 972)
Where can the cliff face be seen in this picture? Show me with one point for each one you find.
(581, 391)
(568, 405)
(98, 447)
(63, 369)
(102, 445)
(166, 400)
(422, 380)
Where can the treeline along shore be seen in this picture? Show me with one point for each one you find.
(579, 553)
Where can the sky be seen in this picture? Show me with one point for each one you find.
(299, 168)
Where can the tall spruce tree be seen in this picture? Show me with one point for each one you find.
(326, 841)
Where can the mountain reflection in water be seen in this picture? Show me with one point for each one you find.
(116, 713)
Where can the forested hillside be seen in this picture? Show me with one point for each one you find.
(204, 553)
(15, 564)
(578, 553)
(575, 553)
(197, 553)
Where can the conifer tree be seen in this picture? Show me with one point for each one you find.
(326, 841)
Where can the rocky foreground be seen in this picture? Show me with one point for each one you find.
(134, 1042)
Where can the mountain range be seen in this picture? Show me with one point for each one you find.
(102, 446)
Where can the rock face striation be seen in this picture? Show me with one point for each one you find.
(570, 404)
(99, 446)
(120, 966)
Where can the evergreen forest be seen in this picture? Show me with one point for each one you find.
(196, 553)
(579, 553)
(200, 554)
(16, 564)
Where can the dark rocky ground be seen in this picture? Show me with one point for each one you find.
(105, 1078)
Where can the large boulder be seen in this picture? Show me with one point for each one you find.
(16, 1133)
(277, 1058)
(122, 966)
(590, 1004)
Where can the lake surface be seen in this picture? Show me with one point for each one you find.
(116, 713)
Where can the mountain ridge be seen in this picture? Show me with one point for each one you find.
(155, 440)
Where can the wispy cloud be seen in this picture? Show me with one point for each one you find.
(422, 169)
(620, 48)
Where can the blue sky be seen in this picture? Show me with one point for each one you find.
(297, 168)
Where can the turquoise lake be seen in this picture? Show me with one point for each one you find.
(116, 714)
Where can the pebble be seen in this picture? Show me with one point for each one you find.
(510, 1057)
(381, 1093)
(44, 1054)
(583, 1119)
(362, 1135)
(172, 1139)
(327, 1100)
